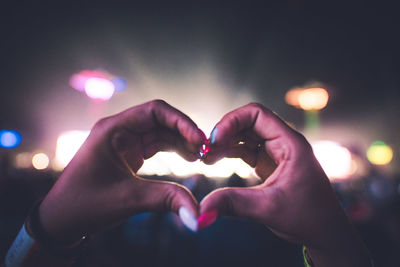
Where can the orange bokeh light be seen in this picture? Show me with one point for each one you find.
(292, 97)
(307, 99)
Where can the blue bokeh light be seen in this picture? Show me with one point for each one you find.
(9, 139)
(119, 84)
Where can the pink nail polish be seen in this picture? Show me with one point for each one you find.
(204, 150)
(207, 219)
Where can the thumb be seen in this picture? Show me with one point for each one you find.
(168, 196)
(236, 202)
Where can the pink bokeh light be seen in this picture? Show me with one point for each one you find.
(99, 89)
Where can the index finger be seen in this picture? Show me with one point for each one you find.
(272, 131)
(157, 114)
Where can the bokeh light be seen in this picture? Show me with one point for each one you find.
(78, 81)
(99, 89)
(119, 84)
(380, 153)
(68, 143)
(292, 97)
(9, 139)
(40, 161)
(23, 160)
(313, 99)
(170, 163)
(335, 159)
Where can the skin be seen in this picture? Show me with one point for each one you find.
(295, 200)
(99, 188)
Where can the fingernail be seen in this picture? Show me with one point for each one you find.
(207, 219)
(188, 218)
(213, 136)
(203, 151)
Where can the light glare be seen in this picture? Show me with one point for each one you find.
(292, 97)
(170, 163)
(68, 144)
(23, 160)
(40, 161)
(379, 153)
(99, 89)
(313, 99)
(335, 159)
(9, 139)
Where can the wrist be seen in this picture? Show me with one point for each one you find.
(63, 248)
(346, 249)
(54, 225)
(32, 247)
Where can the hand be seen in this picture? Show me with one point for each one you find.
(99, 188)
(295, 200)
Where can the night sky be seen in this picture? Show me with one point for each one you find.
(256, 48)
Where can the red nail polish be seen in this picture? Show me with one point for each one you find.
(207, 219)
(204, 150)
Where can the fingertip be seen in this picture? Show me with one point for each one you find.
(207, 218)
(213, 136)
(188, 218)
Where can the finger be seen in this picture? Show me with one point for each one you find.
(158, 113)
(167, 196)
(263, 123)
(234, 202)
(244, 139)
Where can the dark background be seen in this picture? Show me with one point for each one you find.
(257, 48)
(265, 48)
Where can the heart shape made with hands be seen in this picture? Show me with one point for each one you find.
(144, 130)
(210, 154)
(100, 188)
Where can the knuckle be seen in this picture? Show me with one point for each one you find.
(102, 125)
(255, 105)
(157, 103)
(258, 107)
(118, 140)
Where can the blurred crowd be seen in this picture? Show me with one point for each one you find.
(372, 203)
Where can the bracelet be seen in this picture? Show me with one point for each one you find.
(307, 260)
(34, 247)
(19, 249)
(35, 229)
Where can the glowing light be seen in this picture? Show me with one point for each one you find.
(292, 97)
(379, 153)
(78, 81)
(9, 139)
(99, 89)
(168, 163)
(313, 99)
(119, 84)
(40, 161)
(335, 159)
(23, 160)
(68, 144)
